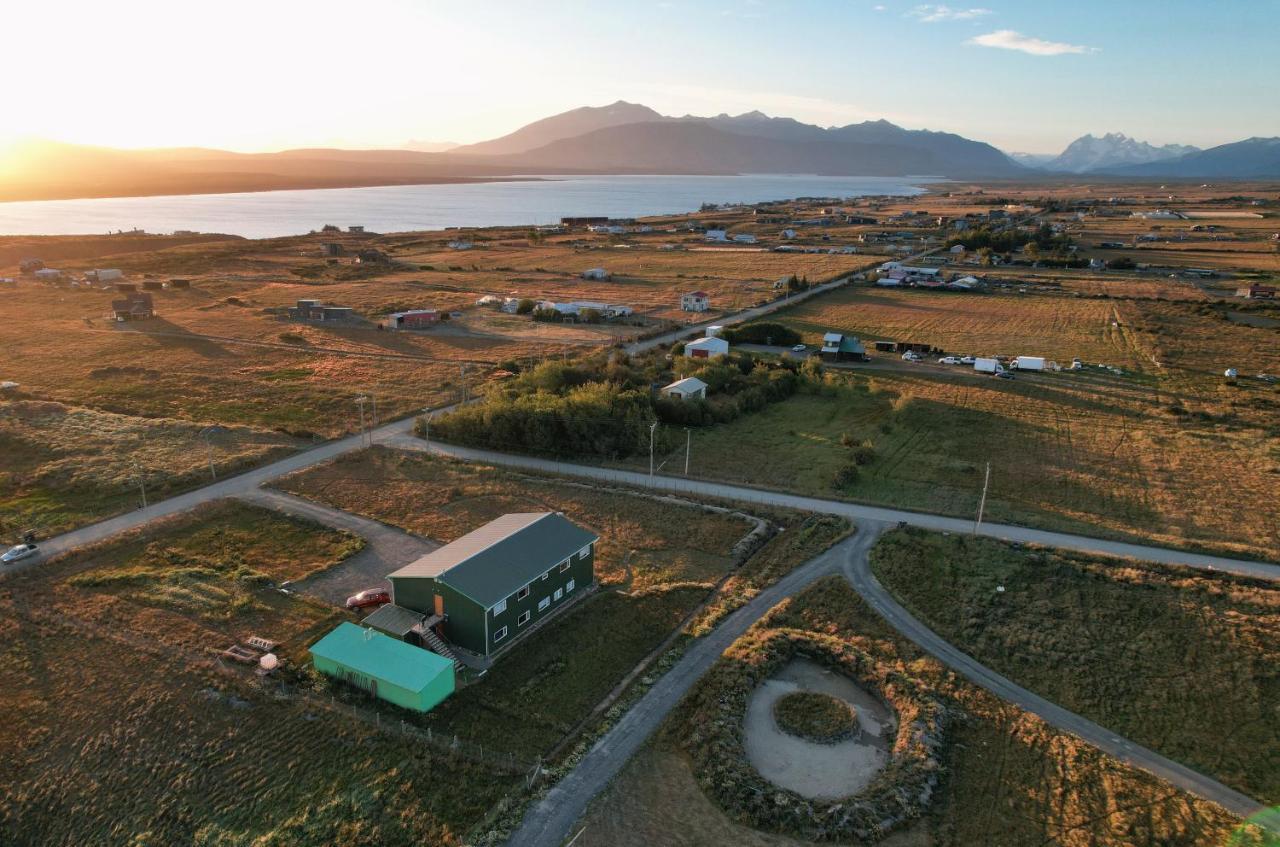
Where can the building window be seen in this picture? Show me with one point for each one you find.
(544, 603)
(584, 552)
(500, 634)
(559, 593)
(522, 593)
(564, 566)
(523, 619)
(500, 607)
(547, 575)
(568, 586)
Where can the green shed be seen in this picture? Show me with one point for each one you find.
(393, 670)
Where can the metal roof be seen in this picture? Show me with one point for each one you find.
(689, 383)
(504, 555)
(394, 619)
(380, 656)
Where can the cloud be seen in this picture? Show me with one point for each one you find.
(1008, 39)
(932, 14)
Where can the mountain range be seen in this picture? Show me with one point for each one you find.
(621, 137)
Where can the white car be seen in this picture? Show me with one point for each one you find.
(949, 360)
(799, 348)
(20, 551)
(910, 356)
(967, 360)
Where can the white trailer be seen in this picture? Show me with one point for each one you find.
(988, 366)
(1029, 363)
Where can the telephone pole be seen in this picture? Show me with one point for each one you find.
(688, 442)
(982, 503)
(360, 401)
(142, 482)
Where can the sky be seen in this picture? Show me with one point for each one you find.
(257, 75)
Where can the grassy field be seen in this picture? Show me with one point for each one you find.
(122, 729)
(657, 562)
(1010, 781)
(63, 466)
(1165, 656)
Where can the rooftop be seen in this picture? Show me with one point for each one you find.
(381, 656)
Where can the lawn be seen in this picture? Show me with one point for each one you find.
(1010, 779)
(123, 729)
(1165, 656)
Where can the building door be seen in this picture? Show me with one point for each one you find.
(440, 605)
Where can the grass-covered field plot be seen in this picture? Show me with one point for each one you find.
(1009, 780)
(1067, 451)
(62, 466)
(657, 561)
(121, 729)
(1180, 661)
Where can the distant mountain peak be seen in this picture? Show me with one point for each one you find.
(1113, 149)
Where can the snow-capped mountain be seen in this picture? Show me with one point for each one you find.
(1113, 150)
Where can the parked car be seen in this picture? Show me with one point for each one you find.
(910, 356)
(799, 348)
(368, 597)
(19, 551)
(949, 360)
(967, 360)
(1002, 375)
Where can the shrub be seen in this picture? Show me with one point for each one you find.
(815, 716)
(847, 475)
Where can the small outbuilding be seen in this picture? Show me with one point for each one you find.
(137, 306)
(597, 274)
(695, 301)
(413, 319)
(706, 348)
(837, 347)
(388, 669)
(689, 388)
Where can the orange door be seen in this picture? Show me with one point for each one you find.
(440, 605)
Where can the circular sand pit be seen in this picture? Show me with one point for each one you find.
(811, 767)
(815, 716)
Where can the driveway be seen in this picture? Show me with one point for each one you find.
(386, 547)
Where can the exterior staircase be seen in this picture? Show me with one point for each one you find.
(426, 631)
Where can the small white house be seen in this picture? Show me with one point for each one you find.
(714, 331)
(106, 274)
(957, 250)
(716, 235)
(706, 348)
(788, 234)
(490, 300)
(744, 238)
(597, 274)
(460, 244)
(48, 274)
(689, 388)
(695, 301)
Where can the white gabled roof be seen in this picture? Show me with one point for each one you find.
(687, 385)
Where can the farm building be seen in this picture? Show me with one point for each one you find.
(179, 283)
(689, 388)
(837, 347)
(152, 285)
(695, 301)
(497, 582)
(715, 235)
(391, 670)
(314, 310)
(460, 244)
(706, 348)
(1257, 292)
(597, 274)
(135, 307)
(744, 238)
(48, 275)
(355, 229)
(413, 319)
(104, 274)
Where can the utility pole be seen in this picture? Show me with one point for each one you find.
(653, 426)
(360, 402)
(462, 370)
(426, 429)
(688, 442)
(207, 434)
(982, 503)
(374, 424)
(142, 482)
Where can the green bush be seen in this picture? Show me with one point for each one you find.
(815, 716)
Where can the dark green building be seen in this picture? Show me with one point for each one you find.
(486, 589)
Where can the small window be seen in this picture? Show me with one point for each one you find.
(564, 566)
(547, 575)
(500, 607)
(559, 593)
(500, 634)
(568, 586)
(522, 593)
(523, 619)
(584, 552)
(544, 603)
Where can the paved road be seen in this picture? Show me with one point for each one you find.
(386, 547)
(853, 511)
(547, 823)
(857, 569)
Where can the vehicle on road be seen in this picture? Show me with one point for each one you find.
(1002, 375)
(910, 356)
(368, 597)
(1077, 365)
(987, 366)
(967, 360)
(18, 552)
(1029, 363)
(949, 360)
(799, 348)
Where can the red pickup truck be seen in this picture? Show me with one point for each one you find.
(368, 597)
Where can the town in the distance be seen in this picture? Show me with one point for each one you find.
(636, 478)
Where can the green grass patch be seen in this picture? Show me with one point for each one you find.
(815, 716)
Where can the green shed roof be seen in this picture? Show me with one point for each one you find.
(504, 555)
(379, 656)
